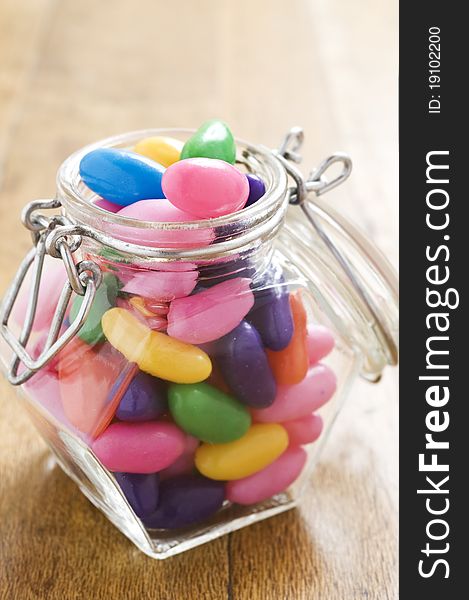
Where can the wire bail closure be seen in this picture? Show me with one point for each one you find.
(319, 184)
(83, 278)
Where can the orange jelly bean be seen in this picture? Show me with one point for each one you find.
(92, 385)
(290, 365)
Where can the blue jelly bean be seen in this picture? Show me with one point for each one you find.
(141, 491)
(256, 189)
(244, 366)
(145, 399)
(271, 314)
(185, 500)
(121, 176)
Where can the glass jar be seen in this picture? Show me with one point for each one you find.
(186, 375)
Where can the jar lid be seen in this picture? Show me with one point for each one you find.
(373, 287)
(364, 294)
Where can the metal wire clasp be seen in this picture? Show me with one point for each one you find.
(318, 184)
(49, 234)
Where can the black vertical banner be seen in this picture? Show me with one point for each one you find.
(434, 259)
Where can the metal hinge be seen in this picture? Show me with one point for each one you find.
(49, 237)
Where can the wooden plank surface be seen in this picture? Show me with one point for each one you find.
(71, 72)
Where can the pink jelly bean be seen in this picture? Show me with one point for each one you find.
(205, 187)
(320, 343)
(53, 279)
(162, 211)
(296, 401)
(185, 463)
(275, 478)
(305, 430)
(162, 285)
(109, 206)
(212, 313)
(139, 447)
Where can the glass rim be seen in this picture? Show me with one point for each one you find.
(71, 190)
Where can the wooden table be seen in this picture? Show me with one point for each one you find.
(72, 72)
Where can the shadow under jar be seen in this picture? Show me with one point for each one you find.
(189, 386)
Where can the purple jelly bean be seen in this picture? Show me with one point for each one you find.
(245, 368)
(141, 491)
(256, 189)
(215, 273)
(271, 314)
(145, 399)
(185, 500)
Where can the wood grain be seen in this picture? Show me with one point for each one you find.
(72, 72)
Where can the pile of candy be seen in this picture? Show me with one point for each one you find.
(192, 391)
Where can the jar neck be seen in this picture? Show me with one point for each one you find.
(251, 263)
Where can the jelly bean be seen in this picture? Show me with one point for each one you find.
(272, 480)
(154, 322)
(138, 304)
(208, 414)
(53, 279)
(245, 368)
(271, 314)
(213, 139)
(304, 430)
(258, 448)
(163, 150)
(157, 307)
(297, 401)
(162, 211)
(157, 323)
(291, 364)
(121, 176)
(162, 285)
(205, 187)
(91, 385)
(105, 298)
(256, 189)
(320, 343)
(139, 447)
(106, 205)
(144, 399)
(141, 491)
(186, 500)
(185, 463)
(211, 313)
(154, 352)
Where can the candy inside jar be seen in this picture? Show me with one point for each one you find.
(197, 390)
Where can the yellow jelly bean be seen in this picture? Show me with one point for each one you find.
(154, 352)
(163, 150)
(258, 448)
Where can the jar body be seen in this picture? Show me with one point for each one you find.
(222, 308)
(197, 395)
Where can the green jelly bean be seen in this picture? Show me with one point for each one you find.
(207, 413)
(106, 294)
(212, 140)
